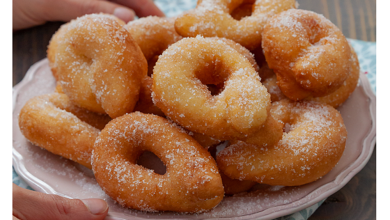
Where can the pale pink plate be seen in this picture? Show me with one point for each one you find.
(46, 172)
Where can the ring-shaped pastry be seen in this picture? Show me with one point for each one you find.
(57, 125)
(99, 65)
(179, 89)
(211, 18)
(309, 55)
(312, 144)
(191, 183)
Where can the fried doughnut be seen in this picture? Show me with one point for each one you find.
(153, 35)
(99, 65)
(179, 89)
(54, 123)
(191, 182)
(52, 47)
(334, 99)
(312, 145)
(211, 18)
(309, 55)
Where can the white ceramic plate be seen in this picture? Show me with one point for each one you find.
(49, 173)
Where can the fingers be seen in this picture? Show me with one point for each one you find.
(71, 9)
(29, 204)
(142, 8)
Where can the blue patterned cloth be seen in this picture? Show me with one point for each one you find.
(366, 52)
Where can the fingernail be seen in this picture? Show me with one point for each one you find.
(95, 206)
(124, 14)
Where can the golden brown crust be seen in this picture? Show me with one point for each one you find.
(191, 182)
(309, 55)
(310, 149)
(180, 90)
(234, 186)
(99, 65)
(54, 123)
(339, 96)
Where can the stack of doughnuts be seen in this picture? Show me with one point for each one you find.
(228, 95)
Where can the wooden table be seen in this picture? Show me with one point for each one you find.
(356, 18)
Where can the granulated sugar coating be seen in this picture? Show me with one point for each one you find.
(99, 65)
(153, 34)
(339, 96)
(191, 182)
(211, 18)
(179, 89)
(311, 148)
(54, 123)
(309, 54)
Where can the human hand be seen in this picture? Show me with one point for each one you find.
(28, 13)
(29, 204)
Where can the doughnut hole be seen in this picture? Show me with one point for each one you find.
(213, 75)
(243, 10)
(150, 161)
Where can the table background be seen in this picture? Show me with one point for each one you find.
(357, 20)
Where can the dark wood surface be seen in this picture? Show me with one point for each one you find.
(356, 18)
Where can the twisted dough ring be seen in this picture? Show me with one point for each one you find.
(54, 123)
(99, 65)
(211, 18)
(153, 35)
(309, 55)
(179, 90)
(334, 99)
(191, 182)
(311, 148)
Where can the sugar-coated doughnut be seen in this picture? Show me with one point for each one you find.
(211, 18)
(312, 144)
(309, 55)
(179, 89)
(153, 35)
(54, 123)
(52, 47)
(99, 65)
(191, 182)
(334, 99)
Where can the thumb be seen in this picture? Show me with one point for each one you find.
(29, 204)
(70, 9)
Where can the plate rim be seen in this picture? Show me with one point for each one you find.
(368, 146)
